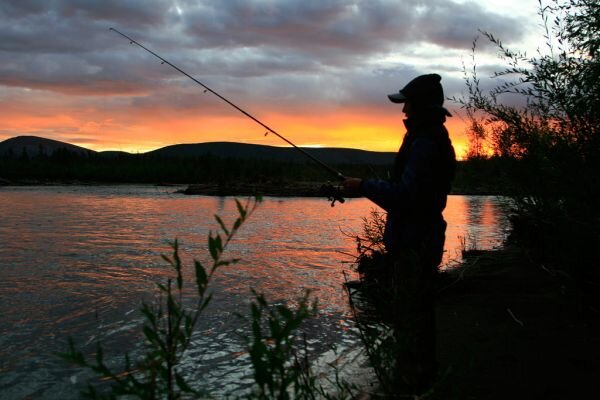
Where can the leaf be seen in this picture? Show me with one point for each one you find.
(275, 327)
(167, 259)
(222, 263)
(99, 354)
(177, 265)
(241, 208)
(173, 306)
(237, 224)
(201, 277)
(162, 287)
(286, 313)
(149, 314)
(215, 246)
(189, 325)
(220, 221)
(182, 384)
(151, 335)
(179, 279)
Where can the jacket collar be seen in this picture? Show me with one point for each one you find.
(428, 118)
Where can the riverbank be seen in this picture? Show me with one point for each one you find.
(275, 189)
(296, 189)
(511, 329)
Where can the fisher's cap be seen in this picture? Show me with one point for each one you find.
(424, 90)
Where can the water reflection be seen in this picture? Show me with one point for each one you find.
(480, 221)
(78, 261)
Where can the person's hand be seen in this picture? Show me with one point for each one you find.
(352, 186)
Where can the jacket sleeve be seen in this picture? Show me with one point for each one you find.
(403, 194)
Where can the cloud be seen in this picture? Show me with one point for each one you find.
(136, 13)
(335, 31)
(292, 57)
(65, 45)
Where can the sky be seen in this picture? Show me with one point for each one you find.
(316, 71)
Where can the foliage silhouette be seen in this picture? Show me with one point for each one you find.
(553, 138)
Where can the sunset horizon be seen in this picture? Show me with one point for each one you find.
(391, 144)
(319, 75)
(299, 199)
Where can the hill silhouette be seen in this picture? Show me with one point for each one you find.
(331, 155)
(35, 146)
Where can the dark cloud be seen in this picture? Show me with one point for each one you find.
(77, 140)
(280, 52)
(334, 29)
(450, 25)
(135, 13)
(23, 8)
(74, 26)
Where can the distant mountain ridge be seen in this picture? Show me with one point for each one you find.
(34, 145)
(333, 155)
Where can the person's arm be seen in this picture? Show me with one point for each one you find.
(418, 170)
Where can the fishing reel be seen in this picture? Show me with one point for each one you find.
(333, 193)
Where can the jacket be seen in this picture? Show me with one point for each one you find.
(416, 194)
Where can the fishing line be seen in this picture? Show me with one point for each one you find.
(330, 169)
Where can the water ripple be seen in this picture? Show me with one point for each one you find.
(78, 261)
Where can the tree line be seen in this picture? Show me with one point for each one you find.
(476, 176)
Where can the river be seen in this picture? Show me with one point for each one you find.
(77, 261)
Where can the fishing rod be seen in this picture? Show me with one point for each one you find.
(330, 169)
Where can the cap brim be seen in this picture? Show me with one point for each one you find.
(397, 97)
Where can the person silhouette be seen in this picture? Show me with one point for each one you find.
(414, 198)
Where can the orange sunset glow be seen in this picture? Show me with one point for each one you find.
(143, 131)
